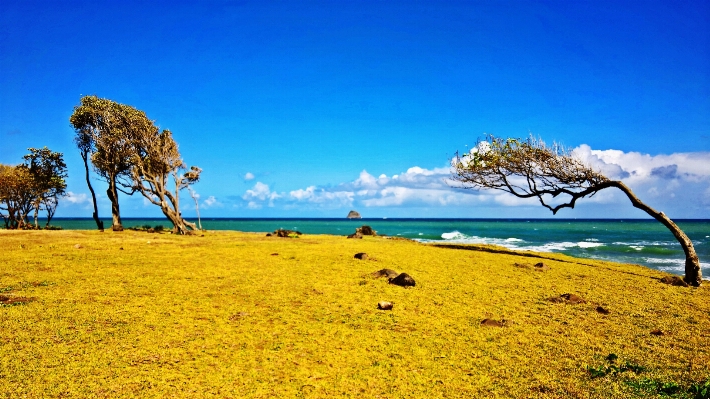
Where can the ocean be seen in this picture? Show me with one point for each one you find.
(638, 241)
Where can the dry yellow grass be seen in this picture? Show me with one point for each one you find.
(134, 314)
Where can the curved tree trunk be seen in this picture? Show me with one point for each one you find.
(99, 222)
(180, 225)
(112, 193)
(693, 274)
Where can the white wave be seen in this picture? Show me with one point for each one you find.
(675, 264)
(454, 235)
(588, 244)
(636, 247)
(460, 238)
(646, 243)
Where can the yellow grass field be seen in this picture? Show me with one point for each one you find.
(241, 315)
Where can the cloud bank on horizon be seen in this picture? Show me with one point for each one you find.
(678, 183)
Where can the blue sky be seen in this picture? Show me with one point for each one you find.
(311, 108)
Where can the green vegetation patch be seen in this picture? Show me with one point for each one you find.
(234, 315)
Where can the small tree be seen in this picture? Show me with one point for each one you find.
(156, 160)
(17, 195)
(48, 172)
(531, 169)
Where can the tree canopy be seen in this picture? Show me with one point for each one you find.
(552, 174)
(37, 184)
(105, 130)
(128, 150)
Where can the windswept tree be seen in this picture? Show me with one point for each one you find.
(105, 129)
(156, 162)
(552, 174)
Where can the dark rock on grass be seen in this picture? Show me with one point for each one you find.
(275, 254)
(363, 231)
(674, 280)
(384, 305)
(366, 231)
(541, 267)
(567, 298)
(78, 246)
(602, 310)
(361, 256)
(403, 280)
(268, 234)
(656, 332)
(286, 233)
(150, 230)
(389, 273)
(493, 323)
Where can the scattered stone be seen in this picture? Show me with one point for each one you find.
(274, 254)
(493, 323)
(286, 233)
(403, 280)
(366, 231)
(674, 280)
(572, 298)
(121, 248)
(602, 310)
(268, 234)
(389, 273)
(78, 246)
(355, 235)
(656, 332)
(384, 305)
(568, 298)
(150, 230)
(354, 215)
(361, 256)
(521, 265)
(541, 267)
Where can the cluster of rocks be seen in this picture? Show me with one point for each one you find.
(284, 233)
(400, 279)
(363, 231)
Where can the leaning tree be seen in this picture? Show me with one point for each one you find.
(103, 131)
(155, 162)
(531, 169)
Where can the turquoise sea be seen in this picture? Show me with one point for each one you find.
(638, 241)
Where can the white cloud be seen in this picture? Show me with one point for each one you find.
(260, 193)
(322, 196)
(75, 198)
(635, 166)
(248, 176)
(211, 202)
